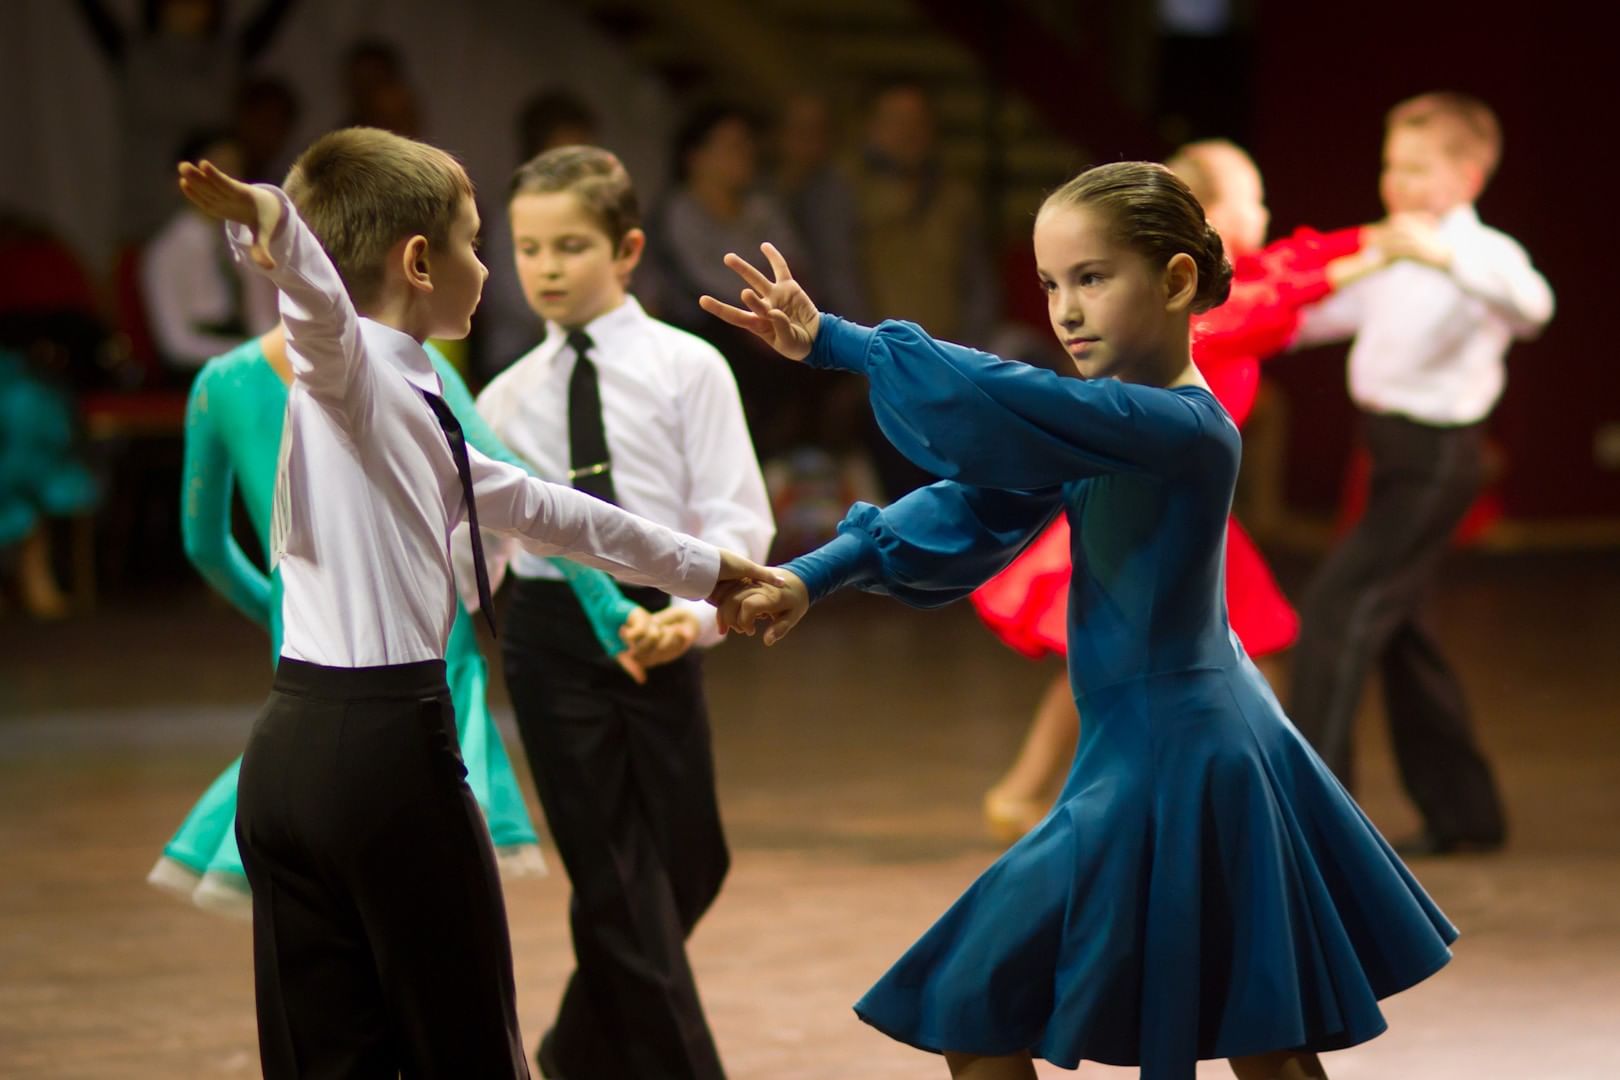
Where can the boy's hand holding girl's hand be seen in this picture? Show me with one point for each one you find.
(779, 312)
(219, 195)
(657, 638)
(780, 606)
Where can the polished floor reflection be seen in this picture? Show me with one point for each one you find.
(852, 758)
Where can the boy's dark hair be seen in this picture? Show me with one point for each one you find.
(362, 190)
(1152, 211)
(700, 124)
(547, 113)
(1466, 126)
(597, 179)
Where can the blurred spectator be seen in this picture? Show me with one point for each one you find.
(378, 90)
(199, 303)
(922, 241)
(821, 203)
(40, 477)
(554, 118)
(715, 209)
(266, 113)
(176, 70)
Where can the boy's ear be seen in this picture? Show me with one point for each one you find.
(1180, 282)
(414, 263)
(630, 250)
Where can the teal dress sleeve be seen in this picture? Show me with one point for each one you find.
(969, 416)
(606, 607)
(205, 514)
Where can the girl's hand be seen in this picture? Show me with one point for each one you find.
(220, 195)
(779, 312)
(779, 606)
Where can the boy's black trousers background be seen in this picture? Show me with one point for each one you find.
(626, 776)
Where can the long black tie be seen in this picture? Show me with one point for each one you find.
(458, 450)
(590, 467)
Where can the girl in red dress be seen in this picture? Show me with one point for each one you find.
(1026, 605)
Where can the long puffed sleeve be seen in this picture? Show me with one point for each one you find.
(968, 416)
(931, 547)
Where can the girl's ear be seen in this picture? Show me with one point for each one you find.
(1180, 282)
(414, 263)
(630, 251)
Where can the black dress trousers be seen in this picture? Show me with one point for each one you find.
(380, 943)
(626, 776)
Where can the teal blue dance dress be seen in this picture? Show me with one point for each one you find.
(1204, 887)
(40, 475)
(233, 431)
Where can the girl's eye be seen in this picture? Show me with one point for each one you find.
(1088, 280)
(1048, 286)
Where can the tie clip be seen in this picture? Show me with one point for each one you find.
(590, 470)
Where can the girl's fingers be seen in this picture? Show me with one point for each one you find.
(779, 265)
(756, 303)
(745, 270)
(726, 313)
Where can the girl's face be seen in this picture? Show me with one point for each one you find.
(1114, 312)
(567, 264)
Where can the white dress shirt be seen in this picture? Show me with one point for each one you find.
(676, 434)
(367, 492)
(188, 281)
(1429, 344)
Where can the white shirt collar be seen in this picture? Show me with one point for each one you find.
(601, 329)
(403, 353)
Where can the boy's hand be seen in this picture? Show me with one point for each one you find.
(779, 312)
(1416, 237)
(636, 633)
(675, 632)
(736, 571)
(221, 196)
(780, 606)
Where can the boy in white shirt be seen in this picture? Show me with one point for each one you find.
(647, 416)
(1426, 368)
(380, 936)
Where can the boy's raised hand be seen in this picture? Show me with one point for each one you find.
(779, 311)
(219, 195)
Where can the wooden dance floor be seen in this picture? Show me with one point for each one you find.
(852, 759)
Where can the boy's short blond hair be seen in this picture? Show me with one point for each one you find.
(1197, 162)
(362, 190)
(1466, 127)
(598, 180)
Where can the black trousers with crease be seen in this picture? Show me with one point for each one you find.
(380, 942)
(1365, 607)
(626, 776)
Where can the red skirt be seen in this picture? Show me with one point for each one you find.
(1027, 604)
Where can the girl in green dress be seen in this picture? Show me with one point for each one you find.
(233, 429)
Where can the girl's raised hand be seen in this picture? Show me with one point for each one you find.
(779, 311)
(219, 195)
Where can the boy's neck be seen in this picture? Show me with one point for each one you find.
(621, 298)
(397, 310)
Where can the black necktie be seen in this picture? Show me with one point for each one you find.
(590, 469)
(458, 450)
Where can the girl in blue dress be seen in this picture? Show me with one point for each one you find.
(1204, 887)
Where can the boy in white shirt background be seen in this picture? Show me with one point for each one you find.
(1425, 370)
(380, 936)
(639, 413)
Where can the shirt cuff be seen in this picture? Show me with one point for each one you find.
(278, 243)
(845, 560)
(840, 344)
(700, 572)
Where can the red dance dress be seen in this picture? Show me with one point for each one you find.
(1027, 603)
